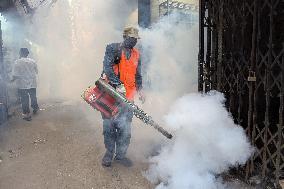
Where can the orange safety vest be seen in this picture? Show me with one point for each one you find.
(127, 72)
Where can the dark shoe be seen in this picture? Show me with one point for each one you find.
(124, 161)
(35, 111)
(107, 159)
(27, 118)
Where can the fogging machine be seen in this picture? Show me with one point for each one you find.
(104, 98)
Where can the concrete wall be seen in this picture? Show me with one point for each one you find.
(3, 97)
(3, 101)
(144, 13)
(155, 7)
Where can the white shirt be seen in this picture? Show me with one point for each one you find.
(25, 71)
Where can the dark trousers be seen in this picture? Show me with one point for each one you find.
(117, 133)
(25, 95)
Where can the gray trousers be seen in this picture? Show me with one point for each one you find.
(25, 95)
(117, 133)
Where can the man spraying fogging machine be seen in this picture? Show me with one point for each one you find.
(114, 94)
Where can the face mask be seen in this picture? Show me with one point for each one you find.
(129, 42)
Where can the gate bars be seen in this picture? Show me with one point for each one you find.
(241, 53)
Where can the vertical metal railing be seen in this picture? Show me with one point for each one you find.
(280, 125)
(245, 60)
(252, 80)
(208, 25)
(201, 45)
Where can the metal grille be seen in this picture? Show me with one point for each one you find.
(242, 55)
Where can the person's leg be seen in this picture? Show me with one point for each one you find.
(123, 140)
(123, 137)
(109, 141)
(34, 103)
(24, 96)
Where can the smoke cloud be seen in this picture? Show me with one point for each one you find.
(170, 50)
(69, 40)
(206, 142)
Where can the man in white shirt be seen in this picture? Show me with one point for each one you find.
(25, 72)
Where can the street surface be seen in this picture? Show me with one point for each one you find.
(61, 148)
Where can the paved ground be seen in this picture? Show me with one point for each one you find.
(61, 148)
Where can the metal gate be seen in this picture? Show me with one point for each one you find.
(242, 55)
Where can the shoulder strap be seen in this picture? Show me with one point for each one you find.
(118, 51)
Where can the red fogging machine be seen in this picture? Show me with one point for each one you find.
(104, 98)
